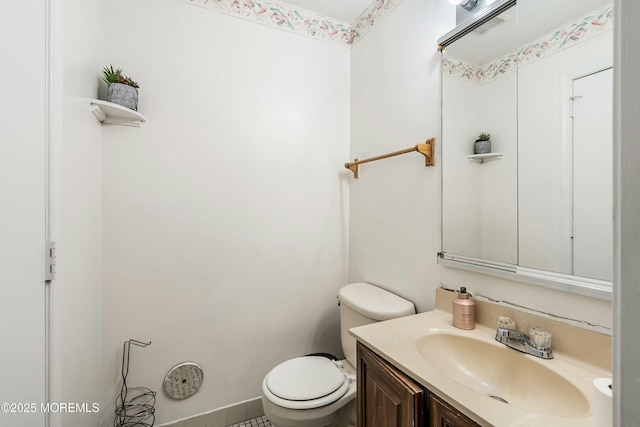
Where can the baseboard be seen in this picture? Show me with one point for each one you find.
(222, 417)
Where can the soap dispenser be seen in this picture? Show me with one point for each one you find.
(464, 311)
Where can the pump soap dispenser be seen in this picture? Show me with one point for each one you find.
(464, 313)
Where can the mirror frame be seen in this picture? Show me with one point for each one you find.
(595, 288)
(600, 289)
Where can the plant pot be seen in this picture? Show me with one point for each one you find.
(482, 147)
(124, 95)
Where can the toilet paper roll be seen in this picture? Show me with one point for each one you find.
(602, 402)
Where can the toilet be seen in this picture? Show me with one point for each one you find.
(316, 391)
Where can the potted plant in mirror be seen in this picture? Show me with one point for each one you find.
(482, 144)
(121, 89)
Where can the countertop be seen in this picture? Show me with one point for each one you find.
(395, 340)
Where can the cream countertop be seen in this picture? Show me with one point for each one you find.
(395, 340)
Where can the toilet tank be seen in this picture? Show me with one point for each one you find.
(361, 304)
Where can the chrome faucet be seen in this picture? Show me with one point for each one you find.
(521, 342)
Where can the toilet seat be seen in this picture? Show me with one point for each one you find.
(305, 383)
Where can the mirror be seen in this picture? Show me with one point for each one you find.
(535, 75)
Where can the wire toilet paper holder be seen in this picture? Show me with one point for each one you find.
(135, 406)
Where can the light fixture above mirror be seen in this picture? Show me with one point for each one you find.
(468, 10)
(472, 14)
(467, 4)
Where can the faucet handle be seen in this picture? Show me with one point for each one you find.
(506, 322)
(540, 338)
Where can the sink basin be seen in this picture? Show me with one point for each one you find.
(507, 375)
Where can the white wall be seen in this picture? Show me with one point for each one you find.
(540, 195)
(462, 183)
(498, 178)
(395, 205)
(480, 203)
(76, 223)
(395, 103)
(225, 215)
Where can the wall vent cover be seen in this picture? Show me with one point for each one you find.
(183, 380)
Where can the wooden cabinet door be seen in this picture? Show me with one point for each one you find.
(444, 415)
(386, 396)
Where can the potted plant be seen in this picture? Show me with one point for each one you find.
(121, 89)
(482, 144)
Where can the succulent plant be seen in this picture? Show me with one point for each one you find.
(109, 75)
(484, 136)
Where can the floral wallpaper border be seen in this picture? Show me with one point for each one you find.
(371, 15)
(296, 20)
(590, 25)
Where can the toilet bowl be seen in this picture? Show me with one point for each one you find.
(315, 391)
(309, 391)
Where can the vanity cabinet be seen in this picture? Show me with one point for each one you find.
(387, 397)
(444, 415)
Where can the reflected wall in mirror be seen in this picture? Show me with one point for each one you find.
(537, 77)
(565, 140)
(480, 193)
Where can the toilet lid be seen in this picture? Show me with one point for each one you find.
(307, 378)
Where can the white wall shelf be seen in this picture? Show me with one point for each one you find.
(114, 114)
(481, 158)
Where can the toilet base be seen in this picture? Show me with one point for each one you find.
(326, 416)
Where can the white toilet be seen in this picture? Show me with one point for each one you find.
(314, 391)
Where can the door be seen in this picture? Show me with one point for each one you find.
(22, 212)
(593, 176)
(444, 415)
(386, 396)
